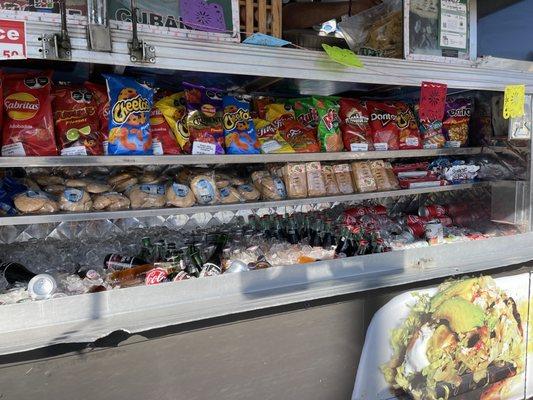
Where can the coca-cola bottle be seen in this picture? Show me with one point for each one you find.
(118, 262)
(14, 272)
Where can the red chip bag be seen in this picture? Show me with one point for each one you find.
(1, 100)
(163, 139)
(385, 134)
(29, 126)
(355, 127)
(408, 132)
(76, 121)
(102, 100)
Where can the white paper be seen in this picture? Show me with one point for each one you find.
(13, 150)
(453, 143)
(157, 148)
(203, 148)
(74, 151)
(411, 141)
(359, 146)
(270, 146)
(381, 146)
(106, 147)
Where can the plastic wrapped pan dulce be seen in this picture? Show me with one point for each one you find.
(383, 175)
(205, 189)
(316, 187)
(111, 201)
(73, 199)
(230, 195)
(329, 180)
(363, 177)
(37, 202)
(343, 176)
(295, 180)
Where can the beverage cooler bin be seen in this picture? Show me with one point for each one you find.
(335, 187)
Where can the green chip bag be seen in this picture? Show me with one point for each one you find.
(328, 129)
(305, 111)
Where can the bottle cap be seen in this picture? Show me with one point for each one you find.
(42, 286)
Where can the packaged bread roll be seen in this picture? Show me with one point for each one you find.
(147, 196)
(122, 181)
(295, 180)
(150, 178)
(47, 180)
(31, 184)
(343, 176)
(383, 175)
(272, 188)
(35, 202)
(230, 195)
(95, 187)
(248, 192)
(222, 180)
(74, 199)
(205, 190)
(257, 176)
(316, 186)
(179, 195)
(56, 190)
(111, 201)
(330, 182)
(76, 183)
(362, 176)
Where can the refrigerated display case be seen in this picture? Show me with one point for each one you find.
(64, 241)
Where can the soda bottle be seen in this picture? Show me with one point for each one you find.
(363, 247)
(342, 243)
(327, 238)
(14, 272)
(195, 261)
(159, 251)
(119, 262)
(146, 249)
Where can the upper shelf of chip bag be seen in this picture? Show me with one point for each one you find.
(174, 50)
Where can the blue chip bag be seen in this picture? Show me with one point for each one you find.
(130, 104)
(239, 129)
(9, 188)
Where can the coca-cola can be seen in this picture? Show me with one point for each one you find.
(413, 219)
(444, 220)
(376, 210)
(155, 276)
(432, 211)
(417, 229)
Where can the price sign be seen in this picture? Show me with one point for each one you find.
(12, 39)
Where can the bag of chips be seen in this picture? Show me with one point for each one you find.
(129, 117)
(204, 119)
(456, 121)
(430, 132)
(260, 103)
(305, 112)
(163, 139)
(28, 129)
(101, 99)
(355, 128)
(239, 129)
(174, 110)
(328, 130)
(385, 133)
(408, 133)
(270, 140)
(76, 121)
(1, 99)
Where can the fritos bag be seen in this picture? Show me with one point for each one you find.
(204, 119)
(408, 133)
(163, 139)
(174, 109)
(129, 117)
(76, 121)
(355, 127)
(239, 129)
(102, 102)
(329, 132)
(28, 128)
(385, 133)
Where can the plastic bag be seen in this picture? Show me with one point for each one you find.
(239, 129)
(76, 121)
(270, 140)
(343, 177)
(316, 186)
(204, 119)
(179, 195)
(363, 177)
(163, 139)
(101, 98)
(28, 129)
(174, 109)
(408, 133)
(305, 112)
(295, 180)
(329, 180)
(430, 132)
(355, 127)
(73, 199)
(383, 175)
(147, 196)
(129, 118)
(456, 121)
(111, 201)
(328, 130)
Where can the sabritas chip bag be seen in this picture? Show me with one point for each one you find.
(269, 138)
(28, 127)
(163, 139)
(102, 102)
(305, 111)
(174, 108)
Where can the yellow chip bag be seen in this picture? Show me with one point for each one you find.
(270, 139)
(174, 109)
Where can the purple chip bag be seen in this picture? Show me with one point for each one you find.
(456, 121)
(204, 119)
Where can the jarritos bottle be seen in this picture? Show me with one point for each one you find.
(118, 262)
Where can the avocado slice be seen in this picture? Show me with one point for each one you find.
(455, 290)
(462, 315)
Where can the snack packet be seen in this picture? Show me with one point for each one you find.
(355, 127)
(260, 103)
(270, 140)
(456, 121)
(129, 117)
(328, 130)
(408, 133)
(305, 112)
(204, 119)
(101, 99)
(316, 185)
(430, 132)
(28, 129)
(174, 110)
(385, 135)
(163, 139)
(363, 178)
(239, 129)
(76, 121)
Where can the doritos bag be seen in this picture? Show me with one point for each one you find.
(408, 133)
(385, 133)
(102, 102)
(174, 110)
(355, 127)
(204, 119)
(163, 139)
(76, 121)
(29, 127)
(129, 118)
(239, 129)
(328, 130)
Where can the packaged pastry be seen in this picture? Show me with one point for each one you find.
(147, 196)
(122, 181)
(47, 180)
(355, 127)
(111, 201)
(74, 199)
(316, 187)
(35, 202)
(222, 179)
(76, 183)
(328, 128)
(295, 180)
(239, 129)
(343, 176)
(205, 189)
(329, 180)
(151, 178)
(55, 190)
(95, 187)
(257, 176)
(179, 195)
(248, 192)
(362, 177)
(174, 109)
(271, 188)
(383, 175)
(230, 195)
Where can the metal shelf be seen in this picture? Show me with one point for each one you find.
(232, 58)
(78, 161)
(92, 216)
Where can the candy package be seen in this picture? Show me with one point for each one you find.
(129, 118)
(204, 119)
(328, 130)
(270, 140)
(385, 133)
(305, 112)
(355, 127)
(239, 129)
(77, 124)
(456, 121)
(28, 128)
(174, 110)
(408, 133)
(101, 99)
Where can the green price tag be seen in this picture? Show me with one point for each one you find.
(343, 56)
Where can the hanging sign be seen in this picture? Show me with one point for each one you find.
(453, 24)
(12, 39)
(432, 101)
(343, 56)
(514, 99)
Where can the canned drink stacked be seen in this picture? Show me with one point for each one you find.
(432, 211)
